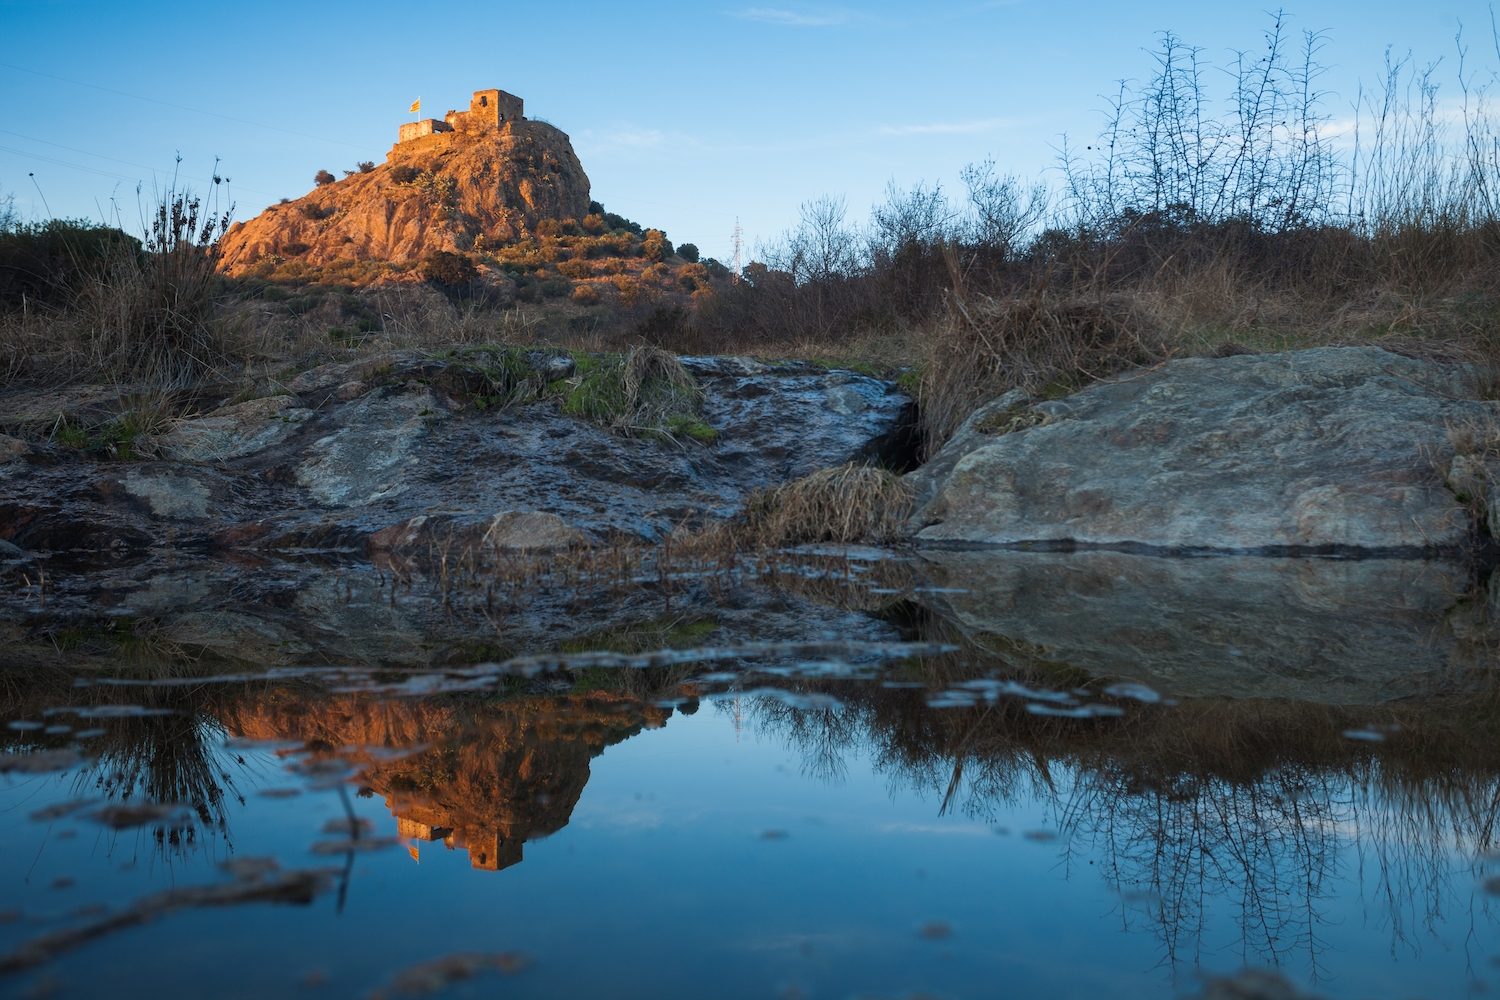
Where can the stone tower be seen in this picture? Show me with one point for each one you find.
(488, 108)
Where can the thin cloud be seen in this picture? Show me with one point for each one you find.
(771, 15)
(625, 137)
(962, 831)
(938, 128)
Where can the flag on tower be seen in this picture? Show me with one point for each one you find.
(416, 105)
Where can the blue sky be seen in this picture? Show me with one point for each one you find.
(686, 116)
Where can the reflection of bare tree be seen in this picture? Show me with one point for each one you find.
(1257, 808)
(1267, 849)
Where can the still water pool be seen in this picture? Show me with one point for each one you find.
(953, 804)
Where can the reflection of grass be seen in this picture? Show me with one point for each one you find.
(138, 644)
(640, 637)
(171, 758)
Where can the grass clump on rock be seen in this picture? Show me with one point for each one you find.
(850, 503)
(646, 391)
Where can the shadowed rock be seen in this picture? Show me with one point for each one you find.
(233, 431)
(396, 448)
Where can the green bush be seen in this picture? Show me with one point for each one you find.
(403, 174)
(688, 252)
(451, 270)
(557, 287)
(618, 223)
(46, 262)
(656, 246)
(323, 177)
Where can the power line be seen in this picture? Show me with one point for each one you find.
(183, 107)
(112, 159)
(65, 163)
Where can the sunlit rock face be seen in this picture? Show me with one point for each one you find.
(465, 187)
(495, 775)
(1319, 630)
(1326, 449)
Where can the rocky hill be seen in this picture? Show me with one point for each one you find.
(455, 191)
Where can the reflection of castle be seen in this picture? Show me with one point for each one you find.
(487, 109)
(492, 853)
(497, 774)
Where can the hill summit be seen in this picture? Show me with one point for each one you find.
(486, 177)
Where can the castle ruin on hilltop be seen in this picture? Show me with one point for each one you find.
(487, 108)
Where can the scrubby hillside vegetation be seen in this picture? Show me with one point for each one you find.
(1180, 230)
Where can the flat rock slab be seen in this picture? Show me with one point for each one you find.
(1325, 449)
(1336, 631)
(233, 431)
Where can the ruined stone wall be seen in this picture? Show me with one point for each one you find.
(427, 126)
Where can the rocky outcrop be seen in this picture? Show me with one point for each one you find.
(451, 191)
(401, 452)
(1321, 450)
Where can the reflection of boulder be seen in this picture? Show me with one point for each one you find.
(497, 774)
(1331, 631)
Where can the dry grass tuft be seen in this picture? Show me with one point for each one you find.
(1041, 342)
(655, 387)
(847, 504)
(1476, 438)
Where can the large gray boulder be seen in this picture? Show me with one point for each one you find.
(1325, 449)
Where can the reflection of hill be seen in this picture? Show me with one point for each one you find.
(497, 773)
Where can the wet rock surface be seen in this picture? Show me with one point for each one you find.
(245, 611)
(1328, 631)
(1326, 449)
(349, 450)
